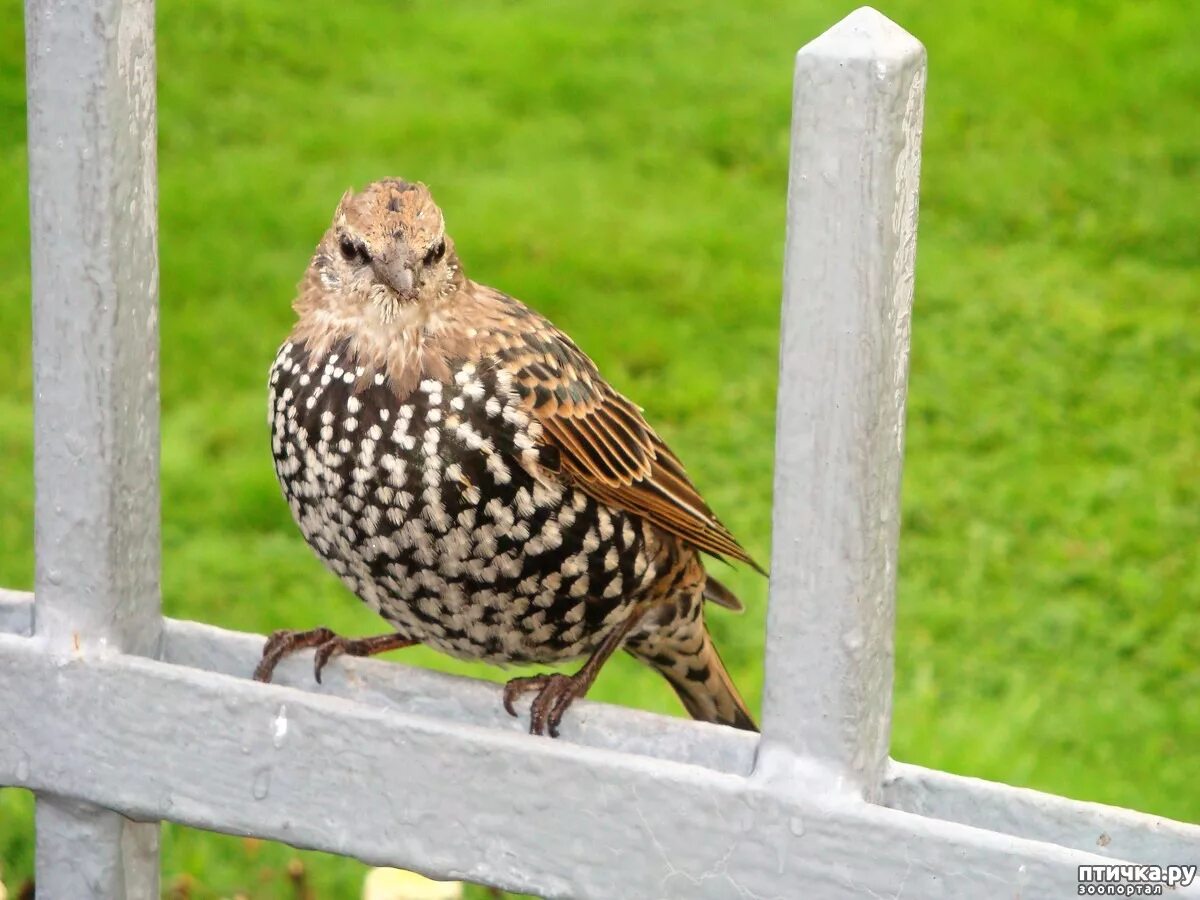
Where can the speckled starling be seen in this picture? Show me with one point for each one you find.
(465, 470)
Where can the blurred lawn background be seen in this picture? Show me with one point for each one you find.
(623, 169)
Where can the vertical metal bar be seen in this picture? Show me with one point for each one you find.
(91, 90)
(85, 851)
(848, 287)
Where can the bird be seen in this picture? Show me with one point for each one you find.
(465, 470)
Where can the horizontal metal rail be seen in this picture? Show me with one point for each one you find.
(340, 769)
(153, 740)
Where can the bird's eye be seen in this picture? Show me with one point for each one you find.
(436, 252)
(349, 251)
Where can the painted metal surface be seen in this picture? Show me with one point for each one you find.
(1092, 827)
(95, 322)
(91, 92)
(455, 800)
(848, 291)
(404, 695)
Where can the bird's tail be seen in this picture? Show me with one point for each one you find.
(688, 659)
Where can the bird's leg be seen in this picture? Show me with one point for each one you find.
(328, 644)
(370, 646)
(555, 691)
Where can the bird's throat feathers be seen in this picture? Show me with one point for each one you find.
(405, 341)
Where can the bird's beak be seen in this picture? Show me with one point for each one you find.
(398, 276)
(404, 280)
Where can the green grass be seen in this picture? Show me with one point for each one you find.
(623, 170)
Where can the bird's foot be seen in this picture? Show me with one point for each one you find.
(555, 693)
(328, 645)
(356, 647)
(284, 643)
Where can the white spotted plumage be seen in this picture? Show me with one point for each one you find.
(410, 501)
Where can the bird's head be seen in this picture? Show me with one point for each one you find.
(388, 251)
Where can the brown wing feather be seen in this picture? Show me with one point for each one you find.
(605, 444)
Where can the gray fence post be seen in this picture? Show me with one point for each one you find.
(848, 283)
(91, 90)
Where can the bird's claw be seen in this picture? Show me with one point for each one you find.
(326, 652)
(281, 643)
(555, 692)
(327, 644)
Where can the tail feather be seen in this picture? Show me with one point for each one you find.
(717, 593)
(708, 693)
(689, 661)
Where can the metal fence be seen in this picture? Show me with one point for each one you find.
(118, 718)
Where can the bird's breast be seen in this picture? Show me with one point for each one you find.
(433, 507)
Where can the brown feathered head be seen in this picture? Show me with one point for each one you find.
(387, 247)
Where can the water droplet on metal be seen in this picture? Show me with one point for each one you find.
(279, 727)
(796, 825)
(262, 784)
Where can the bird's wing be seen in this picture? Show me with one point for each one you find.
(605, 445)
